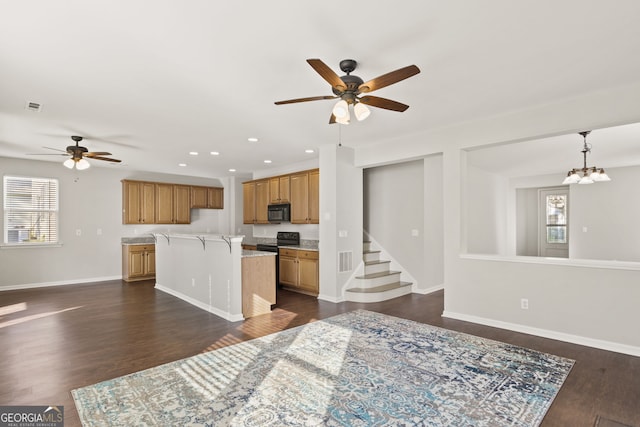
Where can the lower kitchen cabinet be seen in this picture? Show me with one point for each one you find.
(299, 270)
(138, 262)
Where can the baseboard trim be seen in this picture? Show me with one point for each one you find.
(206, 307)
(428, 290)
(59, 283)
(546, 333)
(334, 300)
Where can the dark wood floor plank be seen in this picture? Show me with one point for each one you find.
(77, 335)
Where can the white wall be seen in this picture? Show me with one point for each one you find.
(92, 200)
(595, 305)
(393, 207)
(527, 221)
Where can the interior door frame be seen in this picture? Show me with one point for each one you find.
(561, 250)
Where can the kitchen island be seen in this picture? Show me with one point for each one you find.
(214, 273)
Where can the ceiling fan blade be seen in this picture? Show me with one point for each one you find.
(328, 74)
(332, 119)
(387, 104)
(46, 154)
(96, 153)
(313, 98)
(389, 79)
(55, 149)
(106, 159)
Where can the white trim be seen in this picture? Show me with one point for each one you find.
(545, 333)
(335, 300)
(220, 313)
(59, 283)
(30, 245)
(569, 262)
(428, 290)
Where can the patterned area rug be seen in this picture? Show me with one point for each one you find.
(355, 369)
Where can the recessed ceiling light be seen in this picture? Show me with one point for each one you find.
(309, 151)
(215, 153)
(267, 161)
(252, 139)
(182, 164)
(232, 170)
(193, 153)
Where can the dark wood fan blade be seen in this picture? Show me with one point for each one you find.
(106, 159)
(332, 119)
(388, 79)
(47, 154)
(328, 74)
(387, 104)
(96, 153)
(55, 149)
(313, 98)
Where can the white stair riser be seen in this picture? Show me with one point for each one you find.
(377, 296)
(371, 256)
(377, 281)
(376, 268)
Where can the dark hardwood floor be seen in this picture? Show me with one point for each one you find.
(53, 340)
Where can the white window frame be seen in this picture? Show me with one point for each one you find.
(52, 208)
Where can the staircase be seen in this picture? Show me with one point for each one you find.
(378, 283)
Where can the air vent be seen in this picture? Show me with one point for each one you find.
(33, 106)
(345, 261)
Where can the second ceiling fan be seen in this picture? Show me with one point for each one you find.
(349, 88)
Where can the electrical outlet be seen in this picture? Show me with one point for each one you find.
(78, 232)
(99, 232)
(524, 303)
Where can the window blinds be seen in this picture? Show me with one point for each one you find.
(30, 210)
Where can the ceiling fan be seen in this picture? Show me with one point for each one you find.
(349, 88)
(78, 154)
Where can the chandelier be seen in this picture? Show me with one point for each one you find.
(590, 174)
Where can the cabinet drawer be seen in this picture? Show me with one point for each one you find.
(142, 248)
(288, 252)
(308, 254)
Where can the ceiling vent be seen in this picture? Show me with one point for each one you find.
(33, 106)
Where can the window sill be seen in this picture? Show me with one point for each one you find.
(589, 263)
(30, 245)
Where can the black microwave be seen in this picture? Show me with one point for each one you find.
(279, 213)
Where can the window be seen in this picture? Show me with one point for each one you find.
(30, 210)
(556, 218)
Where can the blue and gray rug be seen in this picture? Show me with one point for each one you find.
(355, 369)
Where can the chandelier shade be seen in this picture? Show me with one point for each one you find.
(590, 174)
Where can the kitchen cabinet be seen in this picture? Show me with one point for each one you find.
(173, 204)
(255, 202)
(138, 202)
(138, 262)
(299, 270)
(279, 189)
(305, 197)
(207, 197)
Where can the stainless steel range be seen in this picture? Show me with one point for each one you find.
(283, 238)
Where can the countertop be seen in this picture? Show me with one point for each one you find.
(249, 253)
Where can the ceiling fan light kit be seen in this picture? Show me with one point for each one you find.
(590, 174)
(78, 154)
(348, 89)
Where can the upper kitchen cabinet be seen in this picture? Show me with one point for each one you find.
(173, 204)
(305, 195)
(138, 202)
(207, 197)
(255, 202)
(279, 189)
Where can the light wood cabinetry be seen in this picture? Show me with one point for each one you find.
(299, 270)
(138, 202)
(305, 196)
(207, 197)
(279, 189)
(173, 204)
(255, 202)
(258, 285)
(138, 262)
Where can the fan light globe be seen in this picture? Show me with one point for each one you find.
(343, 120)
(341, 110)
(83, 164)
(69, 163)
(361, 111)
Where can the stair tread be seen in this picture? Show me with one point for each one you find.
(376, 262)
(381, 288)
(370, 252)
(376, 275)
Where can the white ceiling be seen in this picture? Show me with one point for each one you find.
(150, 81)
